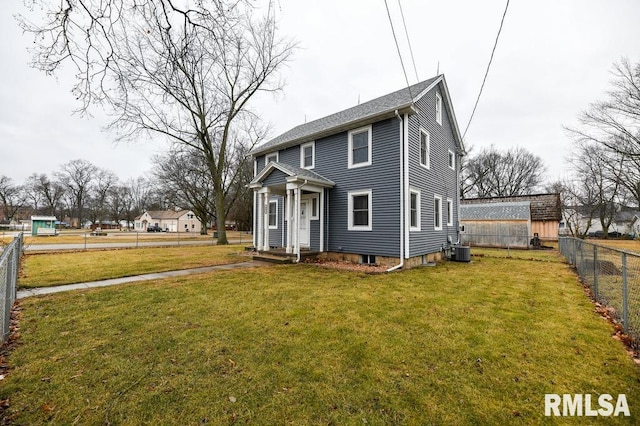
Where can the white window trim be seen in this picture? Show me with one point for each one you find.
(418, 210)
(350, 225)
(313, 155)
(350, 137)
(449, 212)
(452, 163)
(438, 109)
(269, 214)
(425, 132)
(271, 154)
(311, 215)
(435, 225)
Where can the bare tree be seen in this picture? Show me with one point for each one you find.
(186, 74)
(12, 197)
(50, 192)
(614, 123)
(495, 173)
(598, 185)
(76, 176)
(186, 175)
(103, 181)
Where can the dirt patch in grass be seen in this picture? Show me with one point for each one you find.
(347, 266)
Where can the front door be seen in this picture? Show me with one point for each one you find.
(304, 223)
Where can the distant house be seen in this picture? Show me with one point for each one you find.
(43, 225)
(168, 220)
(375, 183)
(519, 217)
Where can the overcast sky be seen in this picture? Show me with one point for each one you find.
(553, 58)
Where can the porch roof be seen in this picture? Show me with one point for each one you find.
(293, 174)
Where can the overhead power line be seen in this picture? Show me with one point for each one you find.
(393, 31)
(408, 42)
(487, 71)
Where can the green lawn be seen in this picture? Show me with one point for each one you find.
(477, 343)
(49, 269)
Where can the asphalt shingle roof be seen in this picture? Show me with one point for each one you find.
(372, 108)
(496, 211)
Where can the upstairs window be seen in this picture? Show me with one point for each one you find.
(452, 160)
(308, 155)
(271, 157)
(425, 142)
(438, 109)
(360, 147)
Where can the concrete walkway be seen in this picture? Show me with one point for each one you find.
(146, 277)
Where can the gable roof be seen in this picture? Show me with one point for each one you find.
(544, 207)
(167, 214)
(376, 109)
(496, 211)
(295, 173)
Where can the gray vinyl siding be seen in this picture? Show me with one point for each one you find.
(315, 235)
(382, 177)
(275, 235)
(439, 179)
(275, 177)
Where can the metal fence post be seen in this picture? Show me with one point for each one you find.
(595, 272)
(625, 298)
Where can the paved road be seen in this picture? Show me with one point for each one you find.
(89, 246)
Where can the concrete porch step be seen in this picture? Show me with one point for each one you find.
(281, 260)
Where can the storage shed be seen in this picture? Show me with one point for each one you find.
(505, 224)
(545, 212)
(43, 225)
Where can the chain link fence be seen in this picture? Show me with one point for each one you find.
(9, 262)
(614, 279)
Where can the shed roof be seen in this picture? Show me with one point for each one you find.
(363, 113)
(544, 207)
(496, 211)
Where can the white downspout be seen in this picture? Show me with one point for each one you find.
(298, 221)
(402, 207)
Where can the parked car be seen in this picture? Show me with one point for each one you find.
(154, 228)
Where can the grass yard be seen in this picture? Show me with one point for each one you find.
(49, 269)
(478, 343)
(629, 245)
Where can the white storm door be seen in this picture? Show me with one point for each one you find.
(304, 223)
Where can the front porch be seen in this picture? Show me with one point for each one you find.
(280, 255)
(289, 209)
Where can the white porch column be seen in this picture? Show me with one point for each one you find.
(287, 202)
(259, 225)
(296, 214)
(265, 207)
(321, 207)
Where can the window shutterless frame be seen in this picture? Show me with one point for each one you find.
(360, 147)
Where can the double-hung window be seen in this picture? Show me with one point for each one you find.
(360, 211)
(414, 210)
(360, 147)
(273, 214)
(438, 108)
(437, 212)
(308, 155)
(425, 141)
(271, 157)
(449, 212)
(452, 160)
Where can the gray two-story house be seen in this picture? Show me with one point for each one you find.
(376, 183)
